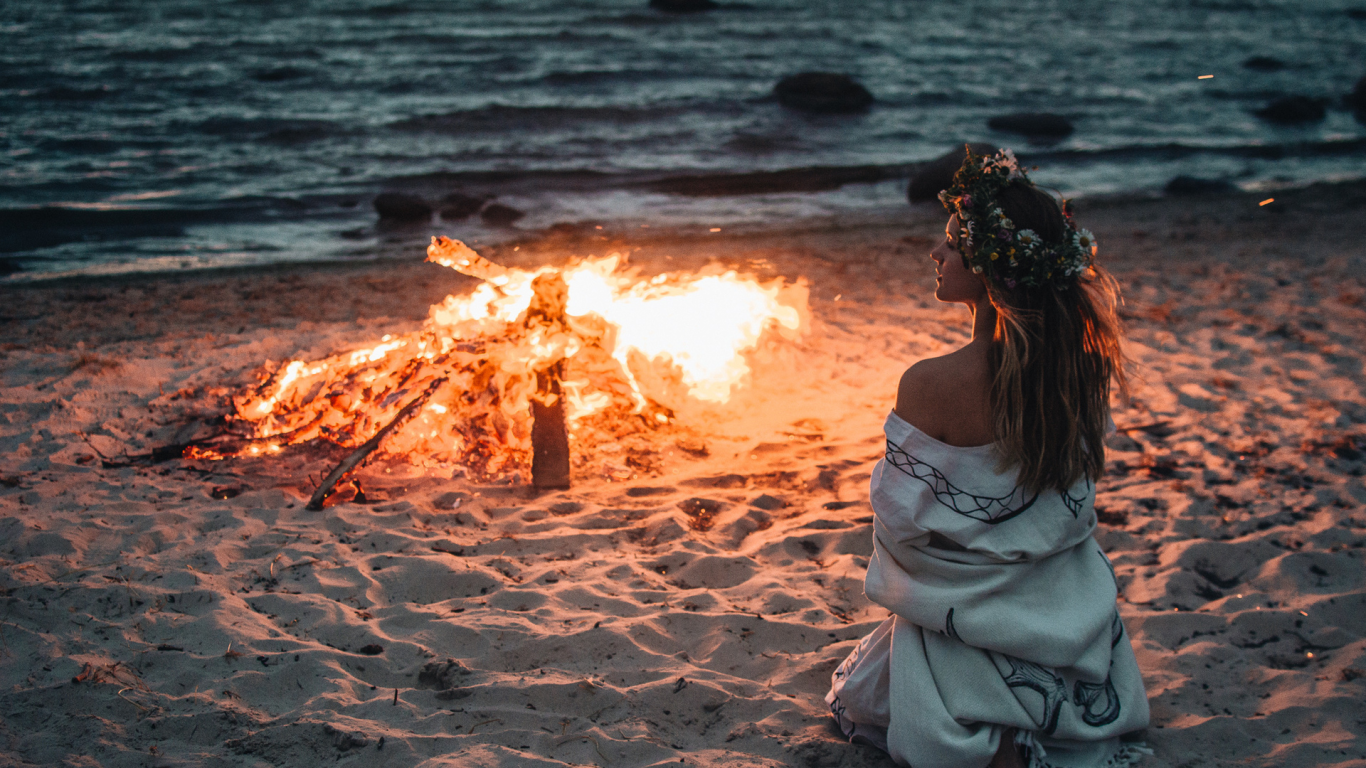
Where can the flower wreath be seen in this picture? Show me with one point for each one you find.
(991, 244)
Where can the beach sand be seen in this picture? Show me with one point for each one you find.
(194, 613)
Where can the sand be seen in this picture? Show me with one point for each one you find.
(689, 605)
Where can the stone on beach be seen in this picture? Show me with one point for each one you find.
(499, 215)
(458, 206)
(402, 207)
(828, 92)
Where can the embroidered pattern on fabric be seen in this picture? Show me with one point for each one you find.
(1041, 680)
(846, 725)
(1099, 702)
(949, 629)
(1075, 503)
(985, 509)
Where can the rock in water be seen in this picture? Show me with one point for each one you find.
(822, 92)
(499, 215)
(1264, 64)
(400, 206)
(1190, 186)
(683, 6)
(1290, 110)
(937, 174)
(458, 206)
(1035, 125)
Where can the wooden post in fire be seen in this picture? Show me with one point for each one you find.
(549, 429)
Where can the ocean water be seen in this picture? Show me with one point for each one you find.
(167, 134)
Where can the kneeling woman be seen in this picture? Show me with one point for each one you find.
(1005, 646)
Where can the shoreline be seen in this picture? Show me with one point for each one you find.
(763, 202)
(201, 614)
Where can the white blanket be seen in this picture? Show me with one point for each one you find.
(1004, 616)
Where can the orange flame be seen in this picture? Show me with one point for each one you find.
(623, 340)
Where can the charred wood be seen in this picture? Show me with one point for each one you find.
(359, 455)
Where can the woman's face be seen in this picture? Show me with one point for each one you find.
(956, 282)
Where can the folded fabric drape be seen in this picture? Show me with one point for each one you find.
(1003, 616)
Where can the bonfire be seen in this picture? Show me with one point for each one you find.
(497, 381)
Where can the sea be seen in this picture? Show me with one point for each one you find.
(154, 135)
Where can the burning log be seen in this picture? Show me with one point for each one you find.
(545, 316)
(463, 259)
(549, 430)
(324, 490)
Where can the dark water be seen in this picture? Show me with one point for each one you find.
(156, 134)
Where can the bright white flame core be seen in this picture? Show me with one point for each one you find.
(702, 324)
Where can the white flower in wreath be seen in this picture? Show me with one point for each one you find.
(1085, 241)
(1027, 238)
(1008, 161)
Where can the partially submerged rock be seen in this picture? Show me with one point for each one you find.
(683, 6)
(1292, 110)
(499, 215)
(1035, 125)
(458, 206)
(1264, 64)
(1357, 100)
(402, 207)
(828, 92)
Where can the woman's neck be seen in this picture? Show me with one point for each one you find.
(983, 321)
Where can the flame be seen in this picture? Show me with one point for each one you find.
(624, 341)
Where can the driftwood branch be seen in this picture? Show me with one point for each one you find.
(463, 259)
(368, 447)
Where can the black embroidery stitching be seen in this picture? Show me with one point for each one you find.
(1041, 680)
(981, 507)
(837, 709)
(949, 629)
(1099, 702)
(1075, 503)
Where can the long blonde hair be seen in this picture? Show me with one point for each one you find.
(1055, 353)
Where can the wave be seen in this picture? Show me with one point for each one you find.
(34, 228)
(272, 130)
(501, 117)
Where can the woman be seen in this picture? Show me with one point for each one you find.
(1005, 646)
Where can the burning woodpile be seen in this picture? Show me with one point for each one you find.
(496, 381)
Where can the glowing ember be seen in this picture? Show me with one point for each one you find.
(628, 345)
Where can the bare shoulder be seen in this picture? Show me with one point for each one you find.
(921, 382)
(947, 398)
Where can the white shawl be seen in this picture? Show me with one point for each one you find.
(1004, 613)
